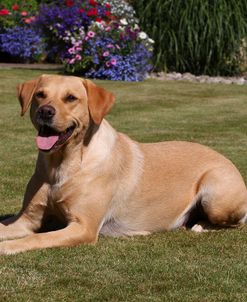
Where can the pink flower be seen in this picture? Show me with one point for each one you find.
(27, 20)
(108, 28)
(72, 61)
(117, 46)
(113, 62)
(106, 54)
(33, 18)
(71, 50)
(77, 44)
(91, 34)
(108, 64)
(110, 46)
(78, 57)
(24, 14)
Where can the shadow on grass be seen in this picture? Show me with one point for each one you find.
(3, 217)
(49, 224)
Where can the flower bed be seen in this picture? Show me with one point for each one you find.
(95, 39)
(19, 37)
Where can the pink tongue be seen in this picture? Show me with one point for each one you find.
(46, 143)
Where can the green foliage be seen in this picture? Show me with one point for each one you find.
(199, 36)
(15, 10)
(23, 4)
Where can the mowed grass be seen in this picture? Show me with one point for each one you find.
(171, 266)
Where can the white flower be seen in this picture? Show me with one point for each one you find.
(136, 26)
(124, 21)
(81, 32)
(98, 24)
(68, 33)
(143, 35)
(150, 40)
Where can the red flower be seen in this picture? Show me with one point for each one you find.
(92, 12)
(98, 19)
(69, 3)
(92, 2)
(108, 5)
(15, 7)
(107, 13)
(81, 10)
(4, 12)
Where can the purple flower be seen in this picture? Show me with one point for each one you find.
(21, 42)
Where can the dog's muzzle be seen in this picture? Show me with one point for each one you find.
(45, 115)
(48, 137)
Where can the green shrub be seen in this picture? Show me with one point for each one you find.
(23, 4)
(198, 36)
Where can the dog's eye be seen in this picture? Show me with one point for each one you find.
(40, 94)
(71, 98)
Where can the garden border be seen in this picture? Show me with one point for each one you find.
(31, 66)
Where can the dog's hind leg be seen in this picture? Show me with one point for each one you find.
(223, 197)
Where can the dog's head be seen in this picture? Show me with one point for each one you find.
(63, 107)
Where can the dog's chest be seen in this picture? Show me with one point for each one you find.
(62, 184)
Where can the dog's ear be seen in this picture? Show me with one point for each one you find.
(100, 101)
(25, 93)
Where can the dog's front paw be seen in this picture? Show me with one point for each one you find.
(8, 248)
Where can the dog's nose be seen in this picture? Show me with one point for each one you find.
(46, 112)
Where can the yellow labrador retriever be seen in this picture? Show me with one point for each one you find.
(96, 180)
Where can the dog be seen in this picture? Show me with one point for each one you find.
(93, 180)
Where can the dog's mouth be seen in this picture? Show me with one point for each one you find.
(48, 138)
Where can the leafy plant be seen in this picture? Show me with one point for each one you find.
(202, 36)
(24, 4)
(16, 15)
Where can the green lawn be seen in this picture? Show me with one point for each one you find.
(173, 266)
